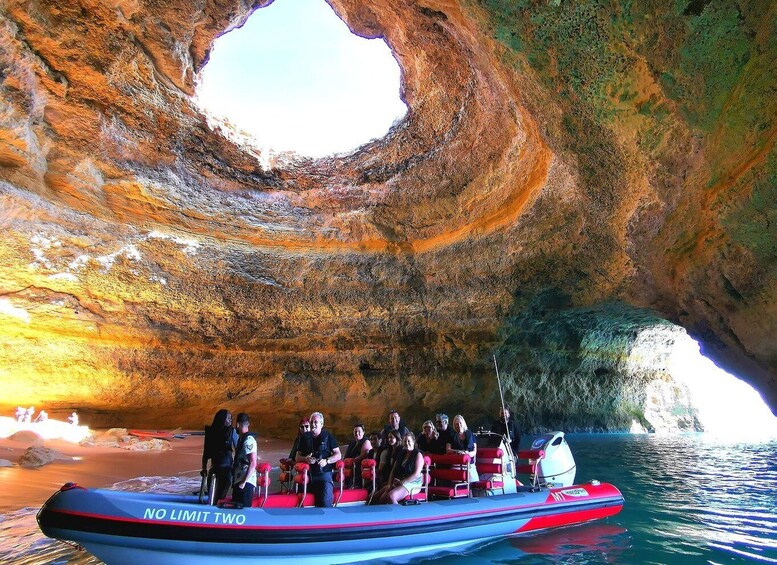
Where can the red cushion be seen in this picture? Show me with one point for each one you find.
(352, 495)
(277, 501)
(489, 453)
(486, 485)
(449, 459)
(531, 454)
(459, 475)
(493, 468)
(448, 492)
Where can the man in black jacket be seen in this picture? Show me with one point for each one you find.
(504, 425)
(318, 448)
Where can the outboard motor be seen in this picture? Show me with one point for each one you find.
(557, 468)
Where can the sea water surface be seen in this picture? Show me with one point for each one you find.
(690, 498)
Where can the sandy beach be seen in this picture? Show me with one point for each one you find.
(103, 466)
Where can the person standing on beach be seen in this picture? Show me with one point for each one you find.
(318, 448)
(245, 463)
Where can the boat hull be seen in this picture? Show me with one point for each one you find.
(120, 527)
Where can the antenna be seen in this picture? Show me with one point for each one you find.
(502, 398)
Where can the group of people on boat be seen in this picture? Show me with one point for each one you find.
(398, 452)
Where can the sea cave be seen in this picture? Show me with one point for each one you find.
(574, 189)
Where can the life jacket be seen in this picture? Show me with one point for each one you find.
(241, 459)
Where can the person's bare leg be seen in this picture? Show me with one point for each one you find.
(396, 494)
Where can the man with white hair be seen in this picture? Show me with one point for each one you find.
(318, 448)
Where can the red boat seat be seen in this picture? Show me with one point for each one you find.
(533, 456)
(421, 493)
(349, 469)
(450, 476)
(277, 500)
(489, 466)
(264, 499)
(287, 474)
(344, 495)
(350, 495)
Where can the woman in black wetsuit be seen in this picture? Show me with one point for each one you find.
(386, 455)
(406, 475)
(220, 443)
(357, 450)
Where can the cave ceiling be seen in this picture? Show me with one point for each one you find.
(608, 152)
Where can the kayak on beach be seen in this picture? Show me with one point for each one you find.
(156, 434)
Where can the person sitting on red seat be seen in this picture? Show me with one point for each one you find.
(304, 426)
(376, 442)
(429, 440)
(318, 448)
(386, 456)
(357, 450)
(463, 442)
(406, 474)
(394, 424)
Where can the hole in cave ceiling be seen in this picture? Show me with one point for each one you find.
(294, 78)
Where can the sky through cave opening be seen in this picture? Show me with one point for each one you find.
(726, 405)
(294, 78)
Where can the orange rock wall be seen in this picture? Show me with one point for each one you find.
(153, 271)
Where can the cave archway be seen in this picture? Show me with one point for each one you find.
(522, 166)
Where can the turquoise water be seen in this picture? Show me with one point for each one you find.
(689, 499)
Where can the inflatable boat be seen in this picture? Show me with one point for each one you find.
(121, 527)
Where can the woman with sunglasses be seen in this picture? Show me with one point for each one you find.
(429, 439)
(304, 426)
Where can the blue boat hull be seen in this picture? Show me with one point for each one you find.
(121, 527)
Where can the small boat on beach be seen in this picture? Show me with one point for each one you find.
(122, 527)
(155, 434)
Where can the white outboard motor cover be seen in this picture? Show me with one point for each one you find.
(557, 468)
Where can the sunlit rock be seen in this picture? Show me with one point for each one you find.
(37, 456)
(152, 271)
(26, 436)
(151, 444)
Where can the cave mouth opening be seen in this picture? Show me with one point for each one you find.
(726, 405)
(295, 79)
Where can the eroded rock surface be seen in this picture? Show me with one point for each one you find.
(153, 271)
(38, 456)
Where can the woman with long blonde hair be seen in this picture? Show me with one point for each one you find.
(462, 441)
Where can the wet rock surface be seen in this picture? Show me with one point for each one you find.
(153, 270)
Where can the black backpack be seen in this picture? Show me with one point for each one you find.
(218, 446)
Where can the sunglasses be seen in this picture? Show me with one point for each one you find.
(304, 427)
